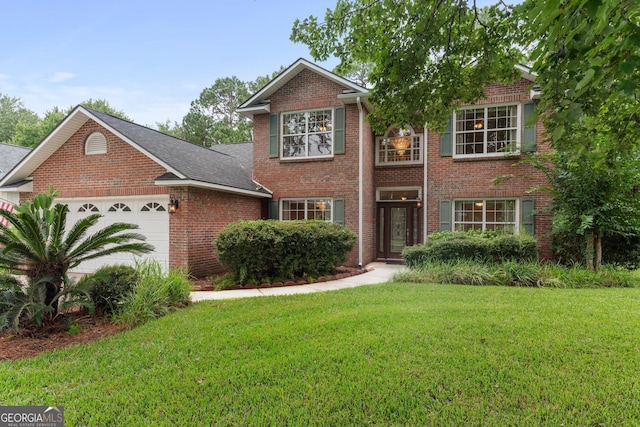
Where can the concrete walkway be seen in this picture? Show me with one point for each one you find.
(378, 272)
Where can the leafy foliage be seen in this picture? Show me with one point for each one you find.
(155, 294)
(472, 246)
(427, 57)
(109, 285)
(12, 113)
(256, 251)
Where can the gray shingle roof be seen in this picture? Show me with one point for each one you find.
(10, 155)
(229, 165)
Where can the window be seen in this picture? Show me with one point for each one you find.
(153, 207)
(119, 207)
(96, 144)
(88, 207)
(307, 134)
(485, 215)
(320, 209)
(399, 145)
(487, 131)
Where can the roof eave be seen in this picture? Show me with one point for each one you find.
(212, 186)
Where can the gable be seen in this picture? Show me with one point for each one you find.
(122, 170)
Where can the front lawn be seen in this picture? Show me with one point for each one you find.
(393, 354)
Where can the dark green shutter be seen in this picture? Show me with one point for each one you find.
(338, 131)
(273, 136)
(445, 215)
(273, 209)
(527, 217)
(446, 140)
(338, 212)
(529, 129)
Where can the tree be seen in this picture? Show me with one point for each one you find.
(174, 129)
(29, 134)
(427, 57)
(13, 112)
(37, 245)
(213, 119)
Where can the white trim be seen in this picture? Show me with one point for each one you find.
(208, 186)
(294, 69)
(484, 200)
(412, 135)
(425, 184)
(360, 179)
(399, 189)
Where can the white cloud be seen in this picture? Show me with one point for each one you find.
(61, 76)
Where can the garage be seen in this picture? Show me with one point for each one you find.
(148, 212)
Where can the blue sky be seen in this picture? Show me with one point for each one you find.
(149, 59)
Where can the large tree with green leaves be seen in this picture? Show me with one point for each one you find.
(213, 119)
(30, 133)
(12, 113)
(36, 243)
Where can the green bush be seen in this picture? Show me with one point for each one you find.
(474, 246)
(256, 251)
(155, 293)
(108, 286)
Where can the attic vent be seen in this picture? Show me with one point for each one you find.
(96, 144)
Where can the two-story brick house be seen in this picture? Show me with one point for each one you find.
(314, 150)
(314, 156)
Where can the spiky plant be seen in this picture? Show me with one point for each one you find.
(36, 244)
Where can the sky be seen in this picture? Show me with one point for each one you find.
(149, 59)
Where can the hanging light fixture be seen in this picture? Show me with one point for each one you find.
(401, 144)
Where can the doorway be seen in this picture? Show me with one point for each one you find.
(398, 226)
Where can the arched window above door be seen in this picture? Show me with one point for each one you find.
(399, 145)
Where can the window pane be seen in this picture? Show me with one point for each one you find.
(293, 146)
(320, 144)
(307, 134)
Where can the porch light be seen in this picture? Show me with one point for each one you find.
(401, 144)
(419, 204)
(173, 204)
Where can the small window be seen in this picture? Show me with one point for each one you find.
(119, 207)
(399, 146)
(88, 207)
(153, 207)
(95, 144)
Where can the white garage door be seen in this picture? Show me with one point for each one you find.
(148, 212)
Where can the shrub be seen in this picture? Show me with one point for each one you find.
(155, 293)
(256, 250)
(474, 246)
(109, 285)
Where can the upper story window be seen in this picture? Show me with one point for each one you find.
(399, 146)
(96, 144)
(487, 131)
(307, 134)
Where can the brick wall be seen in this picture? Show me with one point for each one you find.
(200, 218)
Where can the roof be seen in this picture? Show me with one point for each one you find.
(259, 102)
(187, 163)
(10, 155)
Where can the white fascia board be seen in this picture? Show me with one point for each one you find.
(526, 72)
(26, 187)
(249, 112)
(209, 186)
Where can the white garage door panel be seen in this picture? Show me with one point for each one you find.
(149, 213)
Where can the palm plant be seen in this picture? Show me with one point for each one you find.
(37, 245)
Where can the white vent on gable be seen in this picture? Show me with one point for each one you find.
(96, 144)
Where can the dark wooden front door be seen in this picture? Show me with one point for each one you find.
(397, 228)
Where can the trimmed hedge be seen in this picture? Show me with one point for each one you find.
(257, 251)
(473, 246)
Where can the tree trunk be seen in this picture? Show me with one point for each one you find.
(589, 250)
(597, 237)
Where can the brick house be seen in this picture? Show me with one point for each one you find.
(314, 156)
(315, 151)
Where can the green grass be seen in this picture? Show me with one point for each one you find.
(394, 354)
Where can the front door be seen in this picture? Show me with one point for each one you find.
(398, 225)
